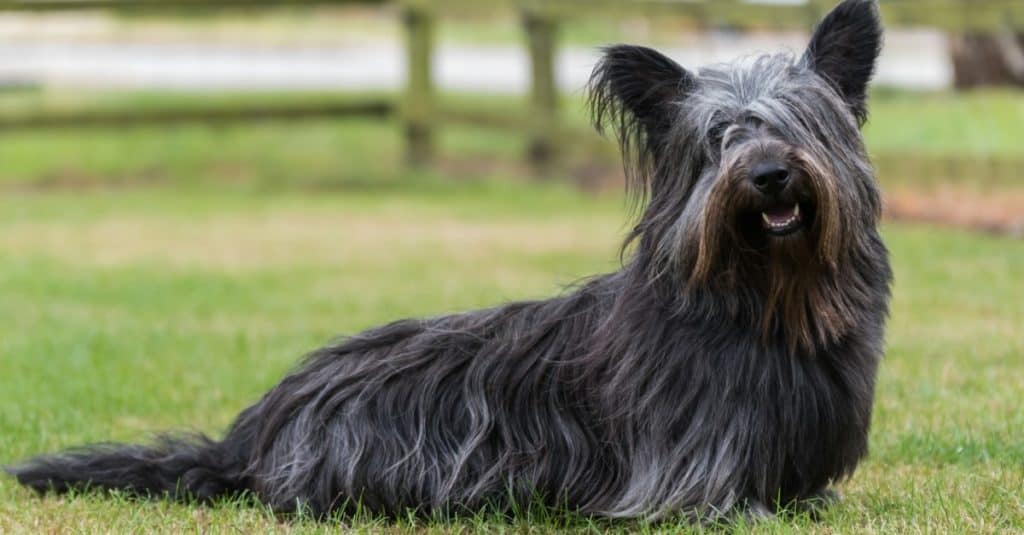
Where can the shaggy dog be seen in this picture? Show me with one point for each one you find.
(729, 366)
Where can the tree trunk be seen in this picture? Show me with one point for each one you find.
(988, 60)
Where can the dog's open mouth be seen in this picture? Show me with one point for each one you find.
(782, 219)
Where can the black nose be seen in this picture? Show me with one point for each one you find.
(769, 177)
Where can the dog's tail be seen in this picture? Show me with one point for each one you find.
(190, 468)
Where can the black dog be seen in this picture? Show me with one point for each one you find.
(728, 366)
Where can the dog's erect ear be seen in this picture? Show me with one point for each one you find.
(844, 49)
(639, 81)
(632, 90)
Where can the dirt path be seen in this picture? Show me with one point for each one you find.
(999, 213)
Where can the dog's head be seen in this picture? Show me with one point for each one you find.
(754, 174)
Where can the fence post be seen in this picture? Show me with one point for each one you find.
(544, 125)
(418, 110)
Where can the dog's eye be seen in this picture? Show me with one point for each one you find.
(717, 135)
(731, 137)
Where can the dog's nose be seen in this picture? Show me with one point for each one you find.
(769, 177)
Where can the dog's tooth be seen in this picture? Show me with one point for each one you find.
(796, 210)
(766, 219)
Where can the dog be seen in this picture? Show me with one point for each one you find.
(727, 368)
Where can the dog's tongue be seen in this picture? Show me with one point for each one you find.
(782, 215)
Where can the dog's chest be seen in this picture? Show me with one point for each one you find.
(806, 422)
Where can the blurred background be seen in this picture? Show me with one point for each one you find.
(323, 93)
(193, 193)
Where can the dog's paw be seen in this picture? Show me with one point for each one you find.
(816, 504)
(756, 511)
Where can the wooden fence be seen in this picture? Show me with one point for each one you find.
(418, 108)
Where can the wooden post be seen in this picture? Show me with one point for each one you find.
(542, 148)
(418, 111)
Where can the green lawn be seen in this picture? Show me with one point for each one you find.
(161, 278)
(127, 312)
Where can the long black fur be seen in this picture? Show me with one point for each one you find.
(719, 370)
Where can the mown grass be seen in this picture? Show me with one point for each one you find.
(162, 278)
(130, 312)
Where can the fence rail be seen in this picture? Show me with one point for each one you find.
(343, 108)
(418, 109)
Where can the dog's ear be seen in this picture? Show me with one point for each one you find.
(639, 81)
(632, 91)
(845, 48)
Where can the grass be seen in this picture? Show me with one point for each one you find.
(981, 123)
(917, 139)
(133, 311)
(162, 278)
